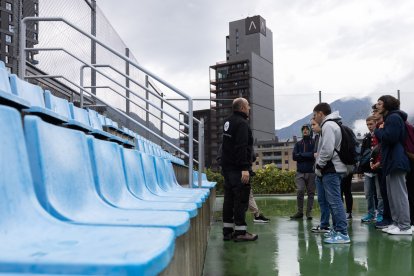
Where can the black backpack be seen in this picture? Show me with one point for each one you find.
(348, 150)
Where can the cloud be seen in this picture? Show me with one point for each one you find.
(343, 48)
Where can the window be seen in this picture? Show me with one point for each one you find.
(35, 36)
(286, 161)
(8, 38)
(35, 6)
(8, 6)
(7, 48)
(35, 26)
(6, 59)
(10, 18)
(11, 28)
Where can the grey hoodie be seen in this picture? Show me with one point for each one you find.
(330, 140)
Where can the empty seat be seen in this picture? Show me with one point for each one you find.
(33, 94)
(58, 105)
(63, 177)
(79, 119)
(6, 95)
(167, 183)
(112, 185)
(136, 181)
(34, 242)
(151, 181)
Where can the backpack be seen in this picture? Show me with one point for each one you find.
(348, 151)
(409, 140)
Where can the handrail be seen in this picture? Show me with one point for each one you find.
(137, 83)
(22, 72)
(115, 109)
(114, 81)
(125, 97)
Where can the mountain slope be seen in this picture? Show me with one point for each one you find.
(350, 109)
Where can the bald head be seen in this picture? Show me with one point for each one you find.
(238, 103)
(241, 105)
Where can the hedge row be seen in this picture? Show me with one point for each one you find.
(269, 180)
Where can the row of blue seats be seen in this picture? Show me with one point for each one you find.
(74, 204)
(32, 100)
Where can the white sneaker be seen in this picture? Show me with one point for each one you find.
(390, 227)
(398, 231)
(412, 228)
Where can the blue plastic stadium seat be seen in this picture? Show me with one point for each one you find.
(136, 181)
(58, 105)
(204, 183)
(34, 242)
(6, 95)
(63, 177)
(167, 183)
(117, 139)
(79, 119)
(33, 94)
(112, 185)
(151, 181)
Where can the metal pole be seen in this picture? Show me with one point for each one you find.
(190, 143)
(93, 45)
(81, 85)
(320, 96)
(162, 117)
(398, 94)
(22, 39)
(127, 81)
(146, 104)
(200, 151)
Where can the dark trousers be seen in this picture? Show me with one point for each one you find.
(410, 191)
(236, 202)
(346, 184)
(383, 189)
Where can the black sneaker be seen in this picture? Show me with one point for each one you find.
(297, 216)
(228, 237)
(348, 216)
(246, 237)
(309, 218)
(261, 219)
(319, 229)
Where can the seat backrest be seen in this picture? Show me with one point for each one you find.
(134, 173)
(94, 119)
(150, 175)
(163, 178)
(16, 185)
(4, 79)
(79, 114)
(27, 91)
(62, 174)
(108, 171)
(57, 104)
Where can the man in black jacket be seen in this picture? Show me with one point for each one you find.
(237, 148)
(303, 154)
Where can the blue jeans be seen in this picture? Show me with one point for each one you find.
(369, 190)
(331, 183)
(323, 203)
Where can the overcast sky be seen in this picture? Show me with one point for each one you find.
(343, 48)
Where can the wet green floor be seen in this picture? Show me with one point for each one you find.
(288, 247)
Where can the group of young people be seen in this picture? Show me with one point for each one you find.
(383, 162)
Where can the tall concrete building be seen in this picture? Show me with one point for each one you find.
(11, 12)
(247, 72)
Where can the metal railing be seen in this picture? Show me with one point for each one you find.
(22, 72)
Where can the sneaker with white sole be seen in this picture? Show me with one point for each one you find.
(338, 238)
(368, 218)
(398, 231)
(319, 229)
(261, 219)
(390, 227)
(331, 233)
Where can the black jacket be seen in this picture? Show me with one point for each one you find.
(365, 155)
(237, 146)
(303, 155)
